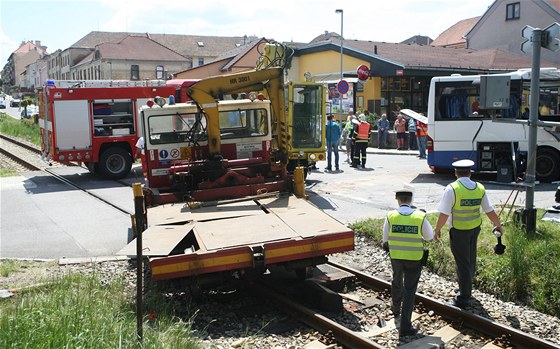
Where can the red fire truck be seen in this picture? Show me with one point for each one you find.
(94, 122)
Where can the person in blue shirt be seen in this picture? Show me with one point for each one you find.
(383, 132)
(412, 134)
(333, 136)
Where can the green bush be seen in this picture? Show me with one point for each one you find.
(17, 128)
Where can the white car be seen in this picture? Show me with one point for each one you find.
(31, 110)
(2, 104)
(15, 102)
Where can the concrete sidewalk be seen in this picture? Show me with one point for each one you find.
(385, 151)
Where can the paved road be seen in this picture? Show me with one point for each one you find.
(359, 193)
(44, 218)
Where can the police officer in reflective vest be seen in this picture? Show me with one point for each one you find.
(460, 208)
(360, 137)
(403, 232)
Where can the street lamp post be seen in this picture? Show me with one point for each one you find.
(341, 54)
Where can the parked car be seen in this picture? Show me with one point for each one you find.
(31, 110)
(2, 104)
(15, 102)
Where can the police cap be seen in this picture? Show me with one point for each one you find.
(406, 190)
(466, 163)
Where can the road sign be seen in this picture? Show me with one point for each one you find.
(343, 87)
(550, 38)
(363, 72)
(527, 33)
(552, 35)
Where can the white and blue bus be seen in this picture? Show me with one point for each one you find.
(458, 127)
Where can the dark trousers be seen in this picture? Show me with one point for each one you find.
(406, 275)
(412, 141)
(332, 148)
(463, 247)
(360, 153)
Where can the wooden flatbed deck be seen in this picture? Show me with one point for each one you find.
(183, 242)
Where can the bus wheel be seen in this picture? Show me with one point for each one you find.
(548, 165)
(115, 163)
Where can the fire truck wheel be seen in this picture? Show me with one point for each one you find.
(115, 163)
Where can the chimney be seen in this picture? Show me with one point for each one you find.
(375, 49)
(38, 43)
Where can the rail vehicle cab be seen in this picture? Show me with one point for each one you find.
(176, 147)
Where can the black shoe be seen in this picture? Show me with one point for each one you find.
(408, 332)
(460, 304)
(328, 169)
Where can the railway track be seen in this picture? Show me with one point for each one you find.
(442, 325)
(23, 159)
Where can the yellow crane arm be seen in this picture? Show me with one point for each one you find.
(206, 93)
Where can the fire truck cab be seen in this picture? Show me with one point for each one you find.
(94, 122)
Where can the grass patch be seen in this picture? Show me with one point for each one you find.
(10, 266)
(6, 172)
(87, 311)
(528, 272)
(18, 128)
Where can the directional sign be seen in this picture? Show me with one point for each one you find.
(527, 33)
(552, 37)
(343, 87)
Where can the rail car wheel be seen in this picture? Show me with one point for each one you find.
(548, 165)
(115, 163)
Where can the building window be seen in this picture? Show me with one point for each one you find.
(159, 72)
(512, 11)
(200, 60)
(134, 72)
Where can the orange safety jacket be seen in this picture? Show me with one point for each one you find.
(421, 129)
(363, 132)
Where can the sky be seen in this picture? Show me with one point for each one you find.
(60, 23)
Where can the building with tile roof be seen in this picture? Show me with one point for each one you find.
(28, 52)
(131, 58)
(454, 36)
(500, 26)
(239, 59)
(400, 73)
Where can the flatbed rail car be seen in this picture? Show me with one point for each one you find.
(238, 151)
(239, 239)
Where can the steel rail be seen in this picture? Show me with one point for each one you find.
(76, 186)
(453, 313)
(344, 336)
(21, 144)
(19, 160)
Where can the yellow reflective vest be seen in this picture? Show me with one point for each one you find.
(405, 235)
(465, 214)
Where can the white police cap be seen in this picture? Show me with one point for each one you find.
(406, 190)
(463, 164)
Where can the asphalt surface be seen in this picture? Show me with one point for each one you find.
(43, 218)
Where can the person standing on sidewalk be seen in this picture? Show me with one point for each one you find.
(421, 133)
(333, 137)
(403, 232)
(412, 144)
(400, 127)
(361, 139)
(349, 128)
(460, 208)
(383, 132)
